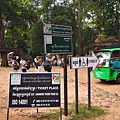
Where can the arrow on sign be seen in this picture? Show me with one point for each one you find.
(82, 62)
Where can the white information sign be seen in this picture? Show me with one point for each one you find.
(82, 62)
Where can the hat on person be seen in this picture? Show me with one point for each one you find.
(48, 54)
(11, 53)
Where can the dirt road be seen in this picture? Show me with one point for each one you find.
(105, 95)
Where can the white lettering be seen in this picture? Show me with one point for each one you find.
(39, 94)
(42, 88)
(23, 101)
(53, 88)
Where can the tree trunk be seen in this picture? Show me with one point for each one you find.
(4, 59)
(79, 29)
(74, 32)
(1, 32)
(3, 53)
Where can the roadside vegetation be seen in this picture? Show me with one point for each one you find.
(84, 113)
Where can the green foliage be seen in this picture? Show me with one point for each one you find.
(36, 35)
(17, 16)
(21, 18)
(106, 16)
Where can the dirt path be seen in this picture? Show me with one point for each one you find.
(105, 95)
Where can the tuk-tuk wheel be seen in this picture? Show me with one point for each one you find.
(102, 80)
(118, 79)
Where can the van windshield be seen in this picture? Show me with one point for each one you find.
(103, 57)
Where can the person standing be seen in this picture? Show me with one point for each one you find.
(10, 56)
(23, 64)
(38, 63)
(15, 64)
(62, 62)
(28, 65)
(48, 63)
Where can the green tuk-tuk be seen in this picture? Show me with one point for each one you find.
(108, 68)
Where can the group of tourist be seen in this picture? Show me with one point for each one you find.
(17, 62)
(47, 64)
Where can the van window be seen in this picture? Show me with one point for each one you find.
(115, 53)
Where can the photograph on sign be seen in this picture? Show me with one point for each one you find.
(48, 39)
(16, 79)
(60, 44)
(47, 28)
(35, 90)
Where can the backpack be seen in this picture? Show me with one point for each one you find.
(16, 66)
(47, 65)
(28, 65)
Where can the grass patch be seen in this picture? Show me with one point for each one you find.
(51, 115)
(84, 113)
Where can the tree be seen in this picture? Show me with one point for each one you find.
(36, 35)
(3, 8)
(106, 14)
(19, 17)
(15, 18)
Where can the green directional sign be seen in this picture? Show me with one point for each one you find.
(57, 29)
(57, 44)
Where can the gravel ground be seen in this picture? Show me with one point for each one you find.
(105, 95)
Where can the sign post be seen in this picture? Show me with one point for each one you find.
(76, 90)
(58, 39)
(84, 62)
(89, 96)
(34, 90)
(65, 87)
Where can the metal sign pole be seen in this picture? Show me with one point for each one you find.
(37, 110)
(65, 86)
(89, 97)
(76, 90)
(60, 113)
(7, 114)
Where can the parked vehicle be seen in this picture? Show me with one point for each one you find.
(108, 68)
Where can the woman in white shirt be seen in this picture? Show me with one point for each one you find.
(38, 64)
(23, 65)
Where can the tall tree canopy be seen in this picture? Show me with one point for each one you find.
(21, 21)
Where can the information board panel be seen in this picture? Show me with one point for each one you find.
(34, 90)
(85, 61)
(57, 29)
(57, 44)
